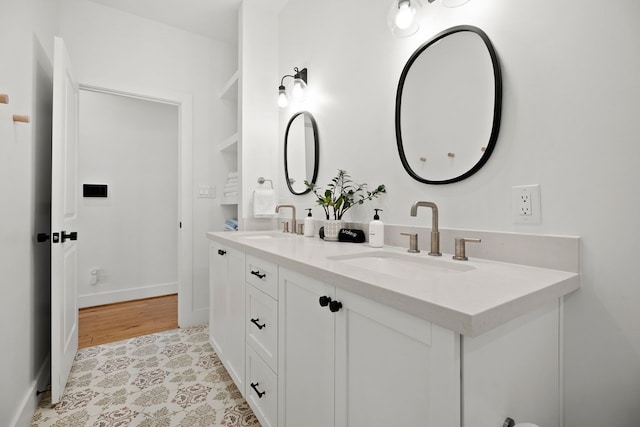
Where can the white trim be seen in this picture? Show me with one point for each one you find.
(30, 401)
(102, 298)
(184, 101)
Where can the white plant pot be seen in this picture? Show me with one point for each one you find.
(332, 228)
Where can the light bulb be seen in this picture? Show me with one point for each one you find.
(282, 99)
(404, 17)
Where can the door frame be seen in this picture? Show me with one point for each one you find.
(184, 102)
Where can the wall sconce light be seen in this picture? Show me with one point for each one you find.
(401, 18)
(299, 83)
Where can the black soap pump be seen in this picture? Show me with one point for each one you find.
(309, 228)
(376, 231)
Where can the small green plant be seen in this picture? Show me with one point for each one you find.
(342, 194)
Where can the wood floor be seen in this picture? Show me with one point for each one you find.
(115, 322)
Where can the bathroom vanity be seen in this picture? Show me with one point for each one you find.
(319, 333)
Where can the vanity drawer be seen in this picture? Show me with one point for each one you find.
(263, 275)
(262, 325)
(262, 390)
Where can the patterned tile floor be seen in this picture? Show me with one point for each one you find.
(167, 379)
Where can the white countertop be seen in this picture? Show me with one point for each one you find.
(469, 302)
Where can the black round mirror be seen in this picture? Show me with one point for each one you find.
(448, 106)
(301, 152)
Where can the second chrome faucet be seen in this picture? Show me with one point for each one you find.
(293, 216)
(435, 233)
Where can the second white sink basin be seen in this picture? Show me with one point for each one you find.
(268, 235)
(403, 265)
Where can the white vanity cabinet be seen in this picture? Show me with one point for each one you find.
(357, 363)
(227, 309)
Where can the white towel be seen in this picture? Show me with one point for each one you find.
(264, 203)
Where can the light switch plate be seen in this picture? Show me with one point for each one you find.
(526, 206)
(206, 192)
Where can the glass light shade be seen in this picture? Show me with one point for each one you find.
(298, 88)
(401, 18)
(404, 17)
(453, 3)
(282, 97)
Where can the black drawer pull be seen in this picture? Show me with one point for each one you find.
(254, 386)
(258, 275)
(221, 252)
(255, 322)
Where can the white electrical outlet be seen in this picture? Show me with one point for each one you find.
(526, 204)
(93, 276)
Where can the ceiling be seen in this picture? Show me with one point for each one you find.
(216, 19)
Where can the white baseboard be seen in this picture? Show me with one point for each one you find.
(30, 401)
(91, 300)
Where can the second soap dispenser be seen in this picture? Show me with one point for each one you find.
(309, 228)
(376, 231)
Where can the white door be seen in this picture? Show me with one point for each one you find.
(64, 302)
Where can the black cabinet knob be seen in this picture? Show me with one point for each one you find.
(335, 306)
(324, 301)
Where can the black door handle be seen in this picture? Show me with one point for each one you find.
(324, 301)
(255, 322)
(335, 306)
(254, 386)
(221, 252)
(70, 236)
(42, 237)
(257, 274)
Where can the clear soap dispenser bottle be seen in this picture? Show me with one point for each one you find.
(309, 229)
(376, 231)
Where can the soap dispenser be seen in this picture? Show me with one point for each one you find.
(309, 228)
(376, 231)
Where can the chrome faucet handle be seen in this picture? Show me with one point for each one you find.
(285, 227)
(460, 248)
(413, 242)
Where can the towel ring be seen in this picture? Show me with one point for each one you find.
(261, 180)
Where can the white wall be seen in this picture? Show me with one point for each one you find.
(26, 48)
(131, 236)
(258, 58)
(112, 48)
(569, 123)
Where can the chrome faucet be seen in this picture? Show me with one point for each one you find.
(293, 216)
(435, 234)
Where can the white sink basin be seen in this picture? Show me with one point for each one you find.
(403, 265)
(265, 235)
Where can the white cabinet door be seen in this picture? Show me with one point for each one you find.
(306, 353)
(234, 354)
(514, 370)
(218, 277)
(227, 310)
(393, 369)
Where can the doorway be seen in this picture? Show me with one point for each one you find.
(132, 149)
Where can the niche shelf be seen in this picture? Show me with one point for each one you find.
(230, 144)
(230, 89)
